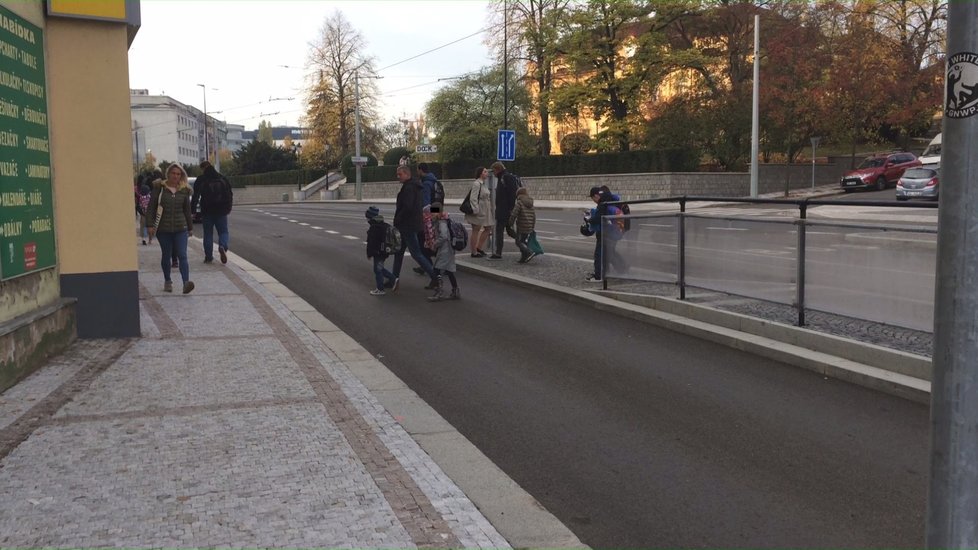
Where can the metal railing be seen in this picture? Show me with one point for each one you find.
(877, 272)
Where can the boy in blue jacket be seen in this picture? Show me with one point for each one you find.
(615, 229)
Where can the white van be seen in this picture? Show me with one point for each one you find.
(932, 154)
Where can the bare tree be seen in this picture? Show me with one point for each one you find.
(336, 59)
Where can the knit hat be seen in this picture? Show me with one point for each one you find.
(595, 191)
(372, 212)
(436, 207)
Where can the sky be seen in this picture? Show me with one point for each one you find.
(251, 53)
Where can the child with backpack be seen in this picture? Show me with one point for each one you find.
(444, 254)
(378, 248)
(524, 217)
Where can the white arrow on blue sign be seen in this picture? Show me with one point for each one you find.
(506, 145)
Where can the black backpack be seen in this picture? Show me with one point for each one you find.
(438, 192)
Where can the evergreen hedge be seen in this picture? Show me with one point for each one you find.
(630, 162)
(297, 178)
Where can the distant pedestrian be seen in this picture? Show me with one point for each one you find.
(213, 192)
(169, 208)
(481, 218)
(506, 186)
(444, 255)
(142, 205)
(524, 217)
(408, 220)
(612, 229)
(376, 235)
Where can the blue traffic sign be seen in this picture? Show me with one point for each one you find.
(506, 145)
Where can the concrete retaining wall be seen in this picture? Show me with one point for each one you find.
(263, 194)
(26, 342)
(772, 179)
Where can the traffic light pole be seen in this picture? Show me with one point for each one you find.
(952, 504)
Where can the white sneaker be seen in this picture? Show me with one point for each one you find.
(592, 278)
(377, 292)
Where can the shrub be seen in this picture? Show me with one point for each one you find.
(575, 144)
(297, 178)
(393, 156)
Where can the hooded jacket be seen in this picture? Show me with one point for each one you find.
(407, 212)
(428, 186)
(506, 188)
(523, 215)
(176, 209)
(376, 234)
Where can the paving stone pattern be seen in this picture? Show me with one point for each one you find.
(229, 424)
(570, 272)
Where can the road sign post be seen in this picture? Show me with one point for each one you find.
(952, 503)
(506, 145)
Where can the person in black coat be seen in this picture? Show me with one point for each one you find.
(213, 192)
(506, 187)
(376, 237)
(409, 221)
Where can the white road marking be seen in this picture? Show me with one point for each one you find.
(283, 217)
(548, 220)
(548, 232)
(331, 232)
(655, 225)
(316, 227)
(304, 224)
(727, 229)
(350, 237)
(293, 221)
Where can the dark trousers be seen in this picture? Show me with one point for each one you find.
(614, 258)
(381, 273)
(414, 247)
(521, 242)
(498, 237)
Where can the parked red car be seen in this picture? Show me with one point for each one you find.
(879, 171)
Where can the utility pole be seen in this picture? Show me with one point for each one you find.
(356, 97)
(755, 122)
(952, 501)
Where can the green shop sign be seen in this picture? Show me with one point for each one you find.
(26, 213)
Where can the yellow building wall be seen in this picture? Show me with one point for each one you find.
(88, 85)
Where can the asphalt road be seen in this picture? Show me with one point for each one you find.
(631, 435)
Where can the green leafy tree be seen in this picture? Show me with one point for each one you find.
(616, 53)
(575, 144)
(259, 157)
(466, 114)
(535, 29)
(265, 132)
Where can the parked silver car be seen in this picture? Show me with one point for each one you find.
(919, 183)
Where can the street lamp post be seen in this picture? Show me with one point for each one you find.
(356, 97)
(815, 141)
(207, 153)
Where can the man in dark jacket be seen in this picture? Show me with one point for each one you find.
(408, 220)
(213, 192)
(506, 187)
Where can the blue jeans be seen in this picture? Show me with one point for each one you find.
(174, 244)
(411, 243)
(381, 274)
(210, 222)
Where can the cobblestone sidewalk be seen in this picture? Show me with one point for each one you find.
(228, 424)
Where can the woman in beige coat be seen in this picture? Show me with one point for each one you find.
(481, 218)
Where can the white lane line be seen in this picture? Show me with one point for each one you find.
(293, 221)
(304, 224)
(655, 225)
(316, 227)
(548, 220)
(283, 217)
(547, 232)
(351, 237)
(331, 232)
(727, 229)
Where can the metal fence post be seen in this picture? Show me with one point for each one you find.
(800, 277)
(682, 251)
(604, 257)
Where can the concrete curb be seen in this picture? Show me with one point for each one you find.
(899, 384)
(515, 514)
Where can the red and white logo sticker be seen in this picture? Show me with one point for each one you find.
(30, 256)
